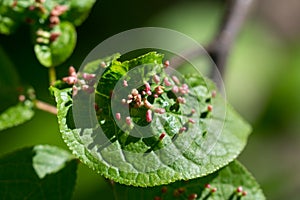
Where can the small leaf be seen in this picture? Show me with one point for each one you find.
(130, 154)
(78, 11)
(49, 160)
(16, 115)
(16, 103)
(54, 53)
(19, 113)
(19, 174)
(226, 181)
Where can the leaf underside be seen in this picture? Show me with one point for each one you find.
(211, 142)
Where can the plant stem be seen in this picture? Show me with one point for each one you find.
(45, 107)
(52, 75)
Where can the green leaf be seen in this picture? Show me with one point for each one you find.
(78, 11)
(16, 103)
(12, 14)
(16, 115)
(20, 174)
(225, 180)
(20, 112)
(7, 25)
(135, 154)
(49, 160)
(51, 54)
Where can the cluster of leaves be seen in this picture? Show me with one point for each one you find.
(50, 169)
(125, 158)
(163, 147)
(39, 172)
(52, 25)
(54, 36)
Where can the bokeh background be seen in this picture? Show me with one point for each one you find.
(262, 81)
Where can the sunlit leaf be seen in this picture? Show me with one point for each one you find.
(51, 54)
(49, 160)
(140, 157)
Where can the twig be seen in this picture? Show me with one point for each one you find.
(220, 46)
(45, 107)
(233, 19)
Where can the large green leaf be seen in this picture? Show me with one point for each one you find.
(54, 53)
(40, 172)
(137, 156)
(226, 181)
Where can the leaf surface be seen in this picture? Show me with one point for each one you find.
(16, 115)
(57, 52)
(138, 154)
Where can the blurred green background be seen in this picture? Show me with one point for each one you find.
(262, 81)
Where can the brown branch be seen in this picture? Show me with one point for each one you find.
(220, 46)
(233, 19)
(45, 107)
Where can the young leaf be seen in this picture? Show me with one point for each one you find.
(172, 136)
(232, 182)
(49, 160)
(51, 54)
(40, 172)
(16, 115)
